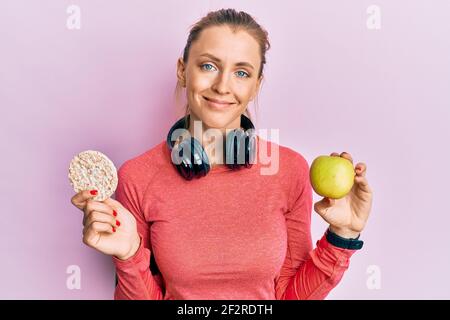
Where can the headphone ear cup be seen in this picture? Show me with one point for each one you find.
(229, 154)
(200, 159)
(185, 168)
(234, 150)
(194, 160)
(240, 148)
(250, 148)
(247, 151)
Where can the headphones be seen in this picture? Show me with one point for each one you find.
(239, 150)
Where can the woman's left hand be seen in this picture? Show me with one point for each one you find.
(348, 216)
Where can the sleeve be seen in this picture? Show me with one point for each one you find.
(134, 278)
(307, 273)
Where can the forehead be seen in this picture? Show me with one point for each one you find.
(223, 43)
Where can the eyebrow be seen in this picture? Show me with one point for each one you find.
(243, 63)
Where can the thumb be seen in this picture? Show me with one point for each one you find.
(322, 206)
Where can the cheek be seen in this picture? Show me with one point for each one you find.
(199, 82)
(244, 93)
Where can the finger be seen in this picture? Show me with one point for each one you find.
(334, 154)
(113, 203)
(363, 184)
(347, 156)
(97, 227)
(79, 199)
(321, 207)
(96, 216)
(329, 201)
(361, 169)
(99, 206)
(92, 235)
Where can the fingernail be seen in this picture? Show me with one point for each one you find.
(114, 229)
(117, 222)
(93, 192)
(114, 213)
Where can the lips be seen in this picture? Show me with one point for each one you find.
(217, 101)
(220, 104)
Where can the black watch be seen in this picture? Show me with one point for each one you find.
(344, 243)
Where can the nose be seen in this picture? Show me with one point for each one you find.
(221, 84)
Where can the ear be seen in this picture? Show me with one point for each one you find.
(181, 72)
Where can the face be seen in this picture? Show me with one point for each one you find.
(224, 66)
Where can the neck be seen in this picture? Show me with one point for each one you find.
(207, 140)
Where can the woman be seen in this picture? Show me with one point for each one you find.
(235, 233)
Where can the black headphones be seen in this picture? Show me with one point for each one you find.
(240, 149)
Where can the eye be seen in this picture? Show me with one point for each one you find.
(245, 74)
(206, 64)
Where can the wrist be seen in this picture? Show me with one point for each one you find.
(344, 233)
(347, 239)
(134, 248)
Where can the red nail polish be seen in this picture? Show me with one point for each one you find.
(114, 213)
(114, 229)
(117, 222)
(94, 192)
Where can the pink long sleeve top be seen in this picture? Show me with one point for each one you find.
(229, 235)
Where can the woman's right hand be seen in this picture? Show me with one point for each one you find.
(108, 226)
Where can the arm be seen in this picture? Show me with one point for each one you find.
(307, 273)
(135, 280)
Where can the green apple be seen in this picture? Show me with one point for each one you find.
(332, 177)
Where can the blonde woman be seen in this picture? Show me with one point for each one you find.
(205, 228)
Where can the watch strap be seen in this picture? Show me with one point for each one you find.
(344, 243)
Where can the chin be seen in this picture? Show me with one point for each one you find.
(217, 119)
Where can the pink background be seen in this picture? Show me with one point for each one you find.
(331, 84)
